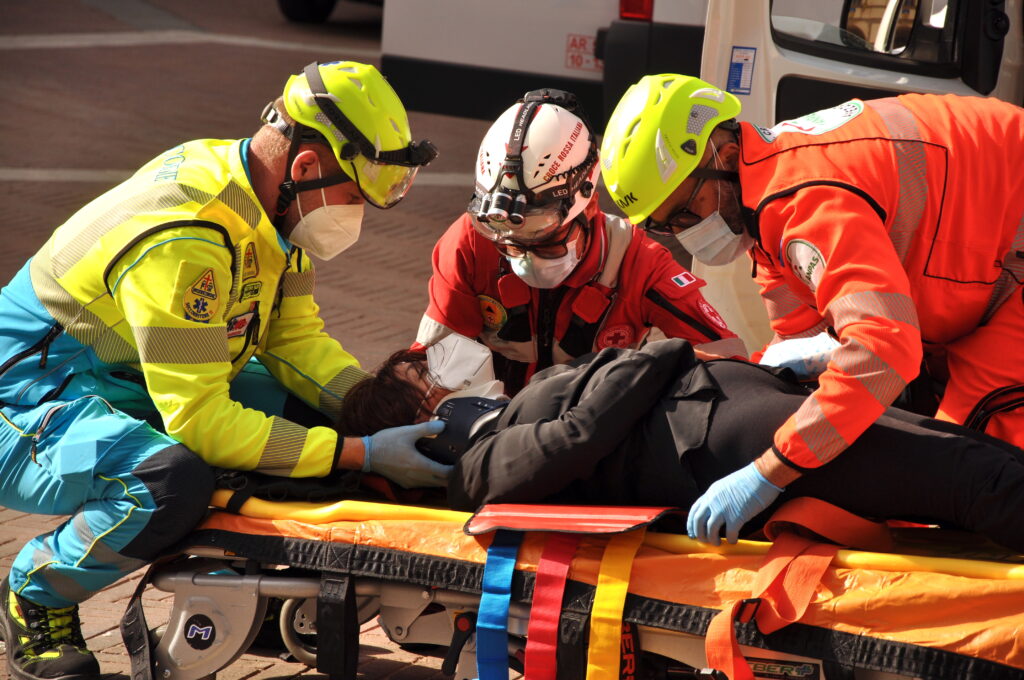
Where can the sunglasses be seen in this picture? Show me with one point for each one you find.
(548, 250)
(684, 218)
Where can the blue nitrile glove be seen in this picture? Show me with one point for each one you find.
(807, 357)
(392, 453)
(733, 501)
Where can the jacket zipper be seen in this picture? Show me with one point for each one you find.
(43, 346)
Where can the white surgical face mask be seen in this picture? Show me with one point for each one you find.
(538, 272)
(712, 242)
(459, 364)
(329, 229)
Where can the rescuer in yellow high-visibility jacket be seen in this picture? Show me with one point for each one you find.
(170, 325)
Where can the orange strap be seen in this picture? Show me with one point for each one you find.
(788, 577)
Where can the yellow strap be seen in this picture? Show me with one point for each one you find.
(609, 601)
(854, 559)
(342, 511)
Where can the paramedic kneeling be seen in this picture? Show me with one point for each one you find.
(126, 343)
(538, 273)
(897, 224)
(657, 426)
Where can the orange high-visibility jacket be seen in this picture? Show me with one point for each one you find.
(893, 221)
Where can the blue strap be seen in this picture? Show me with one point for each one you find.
(492, 620)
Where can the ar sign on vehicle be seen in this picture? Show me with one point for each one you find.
(579, 53)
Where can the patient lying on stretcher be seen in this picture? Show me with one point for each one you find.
(658, 426)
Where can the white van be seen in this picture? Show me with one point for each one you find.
(471, 57)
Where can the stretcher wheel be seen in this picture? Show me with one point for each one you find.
(298, 631)
(297, 623)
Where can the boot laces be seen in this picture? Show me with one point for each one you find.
(54, 627)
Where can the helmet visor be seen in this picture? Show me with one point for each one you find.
(383, 184)
(523, 224)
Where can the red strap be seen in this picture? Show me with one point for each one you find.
(548, 591)
(831, 522)
(584, 519)
(721, 647)
(790, 574)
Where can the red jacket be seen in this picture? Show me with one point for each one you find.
(624, 285)
(894, 222)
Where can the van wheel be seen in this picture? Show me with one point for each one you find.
(307, 11)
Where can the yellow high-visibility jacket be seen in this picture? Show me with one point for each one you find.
(179, 273)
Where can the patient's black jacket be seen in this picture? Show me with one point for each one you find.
(611, 428)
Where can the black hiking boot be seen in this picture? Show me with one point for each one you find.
(44, 643)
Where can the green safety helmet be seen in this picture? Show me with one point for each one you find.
(352, 108)
(656, 137)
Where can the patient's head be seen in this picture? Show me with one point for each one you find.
(399, 392)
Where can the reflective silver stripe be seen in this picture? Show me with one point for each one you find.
(337, 387)
(726, 347)
(781, 301)
(100, 552)
(162, 345)
(283, 448)
(912, 165)
(1011, 276)
(297, 284)
(879, 378)
(871, 304)
(235, 198)
(160, 197)
(823, 440)
(78, 321)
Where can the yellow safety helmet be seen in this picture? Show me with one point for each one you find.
(352, 108)
(656, 136)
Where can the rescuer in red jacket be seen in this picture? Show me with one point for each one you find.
(896, 224)
(538, 273)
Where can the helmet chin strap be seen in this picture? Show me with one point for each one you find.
(289, 189)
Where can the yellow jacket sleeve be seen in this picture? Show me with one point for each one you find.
(173, 290)
(298, 352)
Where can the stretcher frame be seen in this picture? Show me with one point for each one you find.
(233, 565)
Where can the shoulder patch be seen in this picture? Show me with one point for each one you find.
(806, 261)
(684, 279)
(494, 314)
(817, 123)
(250, 265)
(199, 297)
(711, 314)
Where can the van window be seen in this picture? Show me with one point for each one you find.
(909, 35)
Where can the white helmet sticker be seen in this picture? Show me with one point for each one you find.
(806, 261)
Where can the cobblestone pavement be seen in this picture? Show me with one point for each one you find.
(91, 89)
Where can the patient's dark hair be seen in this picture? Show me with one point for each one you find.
(384, 399)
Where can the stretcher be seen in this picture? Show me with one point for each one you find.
(501, 592)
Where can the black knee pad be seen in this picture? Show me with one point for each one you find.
(181, 484)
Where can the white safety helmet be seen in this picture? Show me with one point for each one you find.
(536, 169)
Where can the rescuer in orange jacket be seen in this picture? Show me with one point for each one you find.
(896, 224)
(559, 278)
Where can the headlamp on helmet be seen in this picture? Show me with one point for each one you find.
(536, 169)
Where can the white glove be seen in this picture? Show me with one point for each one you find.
(807, 357)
